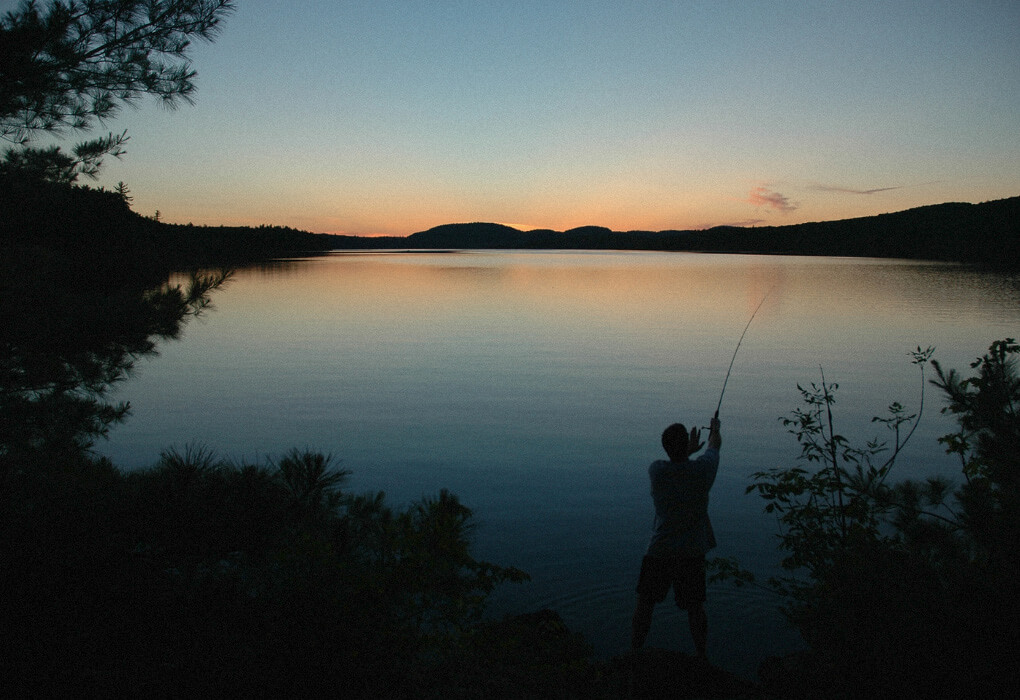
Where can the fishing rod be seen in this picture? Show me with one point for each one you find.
(735, 351)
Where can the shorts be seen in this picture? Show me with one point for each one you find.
(685, 574)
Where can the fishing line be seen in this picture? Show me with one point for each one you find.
(735, 351)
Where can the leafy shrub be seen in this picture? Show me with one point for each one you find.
(909, 589)
(201, 577)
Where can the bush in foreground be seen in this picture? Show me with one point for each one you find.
(908, 589)
(199, 577)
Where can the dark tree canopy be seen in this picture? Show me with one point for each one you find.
(67, 64)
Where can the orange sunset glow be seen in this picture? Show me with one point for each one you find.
(366, 119)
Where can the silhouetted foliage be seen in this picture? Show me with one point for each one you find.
(122, 190)
(839, 505)
(198, 577)
(910, 589)
(64, 65)
(40, 165)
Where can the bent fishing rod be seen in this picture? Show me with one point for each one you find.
(735, 351)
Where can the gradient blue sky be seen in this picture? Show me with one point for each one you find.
(376, 117)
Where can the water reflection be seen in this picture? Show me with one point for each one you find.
(62, 349)
(535, 386)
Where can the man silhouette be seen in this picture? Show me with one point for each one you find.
(681, 533)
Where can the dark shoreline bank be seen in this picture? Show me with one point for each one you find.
(986, 234)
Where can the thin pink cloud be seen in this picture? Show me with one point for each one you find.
(764, 197)
(850, 190)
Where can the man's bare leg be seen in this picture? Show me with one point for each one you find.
(698, 622)
(642, 622)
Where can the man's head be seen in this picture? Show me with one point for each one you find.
(675, 442)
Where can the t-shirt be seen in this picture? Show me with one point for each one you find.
(680, 495)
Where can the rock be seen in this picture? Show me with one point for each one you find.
(660, 673)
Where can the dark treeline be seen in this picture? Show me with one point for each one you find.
(987, 233)
(99, 223)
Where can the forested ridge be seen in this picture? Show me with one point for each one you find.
(43, 213)
(987, 233)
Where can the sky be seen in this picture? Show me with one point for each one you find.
(386, 118)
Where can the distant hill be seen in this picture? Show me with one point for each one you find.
(98, 225)
(987, 233)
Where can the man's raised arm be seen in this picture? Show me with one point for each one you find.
(714, 438)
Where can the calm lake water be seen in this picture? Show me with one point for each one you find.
(535, 386)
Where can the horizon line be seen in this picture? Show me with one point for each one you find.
(752, 223)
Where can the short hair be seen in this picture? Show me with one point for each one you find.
(674, 441)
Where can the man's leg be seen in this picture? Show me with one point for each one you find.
(642, 621)
(653, 584)
(698, 621)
